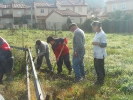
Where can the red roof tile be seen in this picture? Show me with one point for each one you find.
(71, 2)
(66, 13)
(20, 5)
(41, 4)
(111, 1)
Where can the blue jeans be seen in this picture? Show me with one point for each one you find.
(78, 65)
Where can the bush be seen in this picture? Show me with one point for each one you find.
(86, 26)
(65, 27)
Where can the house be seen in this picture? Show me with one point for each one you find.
(41, 10)
(37, 12)
(11, 12)
(124, 5)
(57, 18)
(79, 6)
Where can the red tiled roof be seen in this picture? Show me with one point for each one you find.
(111, 1)
(41, 4)
(64, 2)
(78, 2)
(14, 5)
(71, 2)
(66, 13)
(20, 5)
(7, 6)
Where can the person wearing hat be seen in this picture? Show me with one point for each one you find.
(61, 52)
(78, 52)
(42, 50)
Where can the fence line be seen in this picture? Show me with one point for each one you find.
(40, 95)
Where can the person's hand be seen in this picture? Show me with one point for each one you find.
(75, 54)
(95, 43)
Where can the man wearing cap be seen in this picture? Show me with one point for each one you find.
(78, 52)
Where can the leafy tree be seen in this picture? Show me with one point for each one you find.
(69, 21)
(86, 26)
(116, 15)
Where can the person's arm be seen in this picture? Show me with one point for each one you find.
(43, 50)
(79, 42)
(102, 43)
(36, 49)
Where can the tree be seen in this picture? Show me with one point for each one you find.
(117, 15)
(69, 21)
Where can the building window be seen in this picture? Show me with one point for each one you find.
(19, 12)
(42, 10)
(80, 9)
(114, 8)
(123, 6)
(7, 11)
(29, 12)
(7, 21)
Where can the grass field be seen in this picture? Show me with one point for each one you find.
(119, 70)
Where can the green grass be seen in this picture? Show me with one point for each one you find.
(118, 65)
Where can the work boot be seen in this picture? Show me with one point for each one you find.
(78, 79)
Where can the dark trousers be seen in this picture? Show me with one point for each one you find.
(1, 73)
(40, 59)
(66, 60)
(99, 67)
(6, 64)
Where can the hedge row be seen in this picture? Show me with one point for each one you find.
(111, 26)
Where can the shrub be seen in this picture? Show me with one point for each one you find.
(86, 26)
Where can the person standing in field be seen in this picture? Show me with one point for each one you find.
(42, 50)
(78, 52)
(59, 45)
(99, 44)
(6, 59)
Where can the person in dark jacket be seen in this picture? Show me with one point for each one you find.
(42, 50)
(6, 59)
(57, 45)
